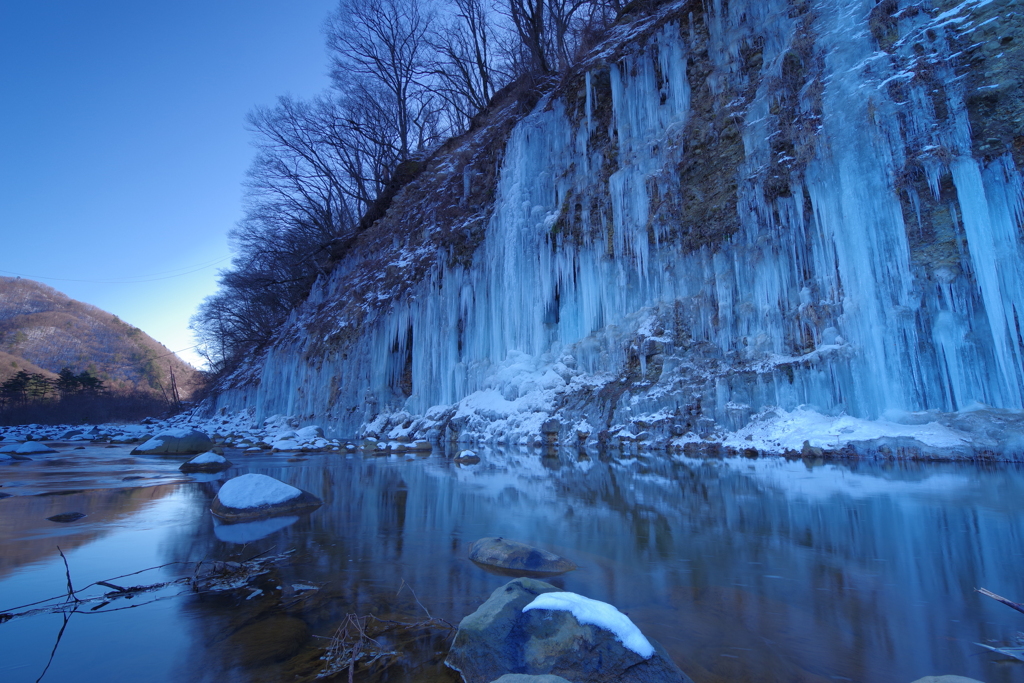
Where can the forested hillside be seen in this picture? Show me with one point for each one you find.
(44, 331)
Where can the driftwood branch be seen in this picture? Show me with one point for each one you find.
(67, 573)
(999, 598)
(60, 634)
(219, 579)
(119, 589)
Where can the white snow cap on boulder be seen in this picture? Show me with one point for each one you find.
(33, 447)
(208, 458)
(180, 441)
(255, 490)
(251, 496)
(309, 433)
(600, 614)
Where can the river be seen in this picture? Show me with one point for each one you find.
(744, 569)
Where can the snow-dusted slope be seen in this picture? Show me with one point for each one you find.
(733, 210)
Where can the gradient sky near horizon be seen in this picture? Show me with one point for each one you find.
(123, 144)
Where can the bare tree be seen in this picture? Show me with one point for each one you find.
(385, 41)
(550, 32)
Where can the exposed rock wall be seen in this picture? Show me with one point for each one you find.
(730, 207)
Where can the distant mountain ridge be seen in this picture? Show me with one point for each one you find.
(41, 328)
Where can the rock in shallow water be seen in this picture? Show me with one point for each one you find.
(269, 640)
(467, 457)
(67, 517)
(207, 462)
(176, 442)
(33, 448)
(500, 638)
(518, 559)
(526, 678)
(252, 496)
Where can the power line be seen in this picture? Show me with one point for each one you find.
(130, 280)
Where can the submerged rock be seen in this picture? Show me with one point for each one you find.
(268, 640)
(526, 678)
(252, 496)
(501, 638)
(946, 679)
(517, 558)
(66, 517)
(207, 462)
(175, 442)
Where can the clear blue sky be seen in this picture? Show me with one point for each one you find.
(123, 144)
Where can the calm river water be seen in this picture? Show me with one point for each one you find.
(745, 570)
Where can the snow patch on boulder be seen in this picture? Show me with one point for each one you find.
(255, 490)
(30, 447)
(600, 614)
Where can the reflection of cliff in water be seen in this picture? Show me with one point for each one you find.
(26, 535)
(745, 570)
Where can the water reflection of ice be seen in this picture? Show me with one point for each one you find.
(247, 532)
(796, 478)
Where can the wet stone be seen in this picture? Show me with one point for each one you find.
(268, 640)
(518, 558)
(499, 638)
(67, 517)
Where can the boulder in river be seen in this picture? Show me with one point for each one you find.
(467, 457)
(518, 559)
(175, 442)
(252, 496)
(66, 517)
(573, 637)
(33, 448)
(206, 462)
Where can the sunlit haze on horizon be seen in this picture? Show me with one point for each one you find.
(125, 145)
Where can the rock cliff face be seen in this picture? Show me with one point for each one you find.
(731, 210)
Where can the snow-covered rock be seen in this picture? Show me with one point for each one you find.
(182, 441)
(506, 634)
(252, 496)
(206, 462)
(467, 457)
(33, 448)
(600, 614)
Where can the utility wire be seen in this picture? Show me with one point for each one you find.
(130, 280)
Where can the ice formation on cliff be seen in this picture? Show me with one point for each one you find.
(594, 298)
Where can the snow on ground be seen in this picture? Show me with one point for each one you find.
(527, 392)
(255, 490)
(600, 614)
(780, 430)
